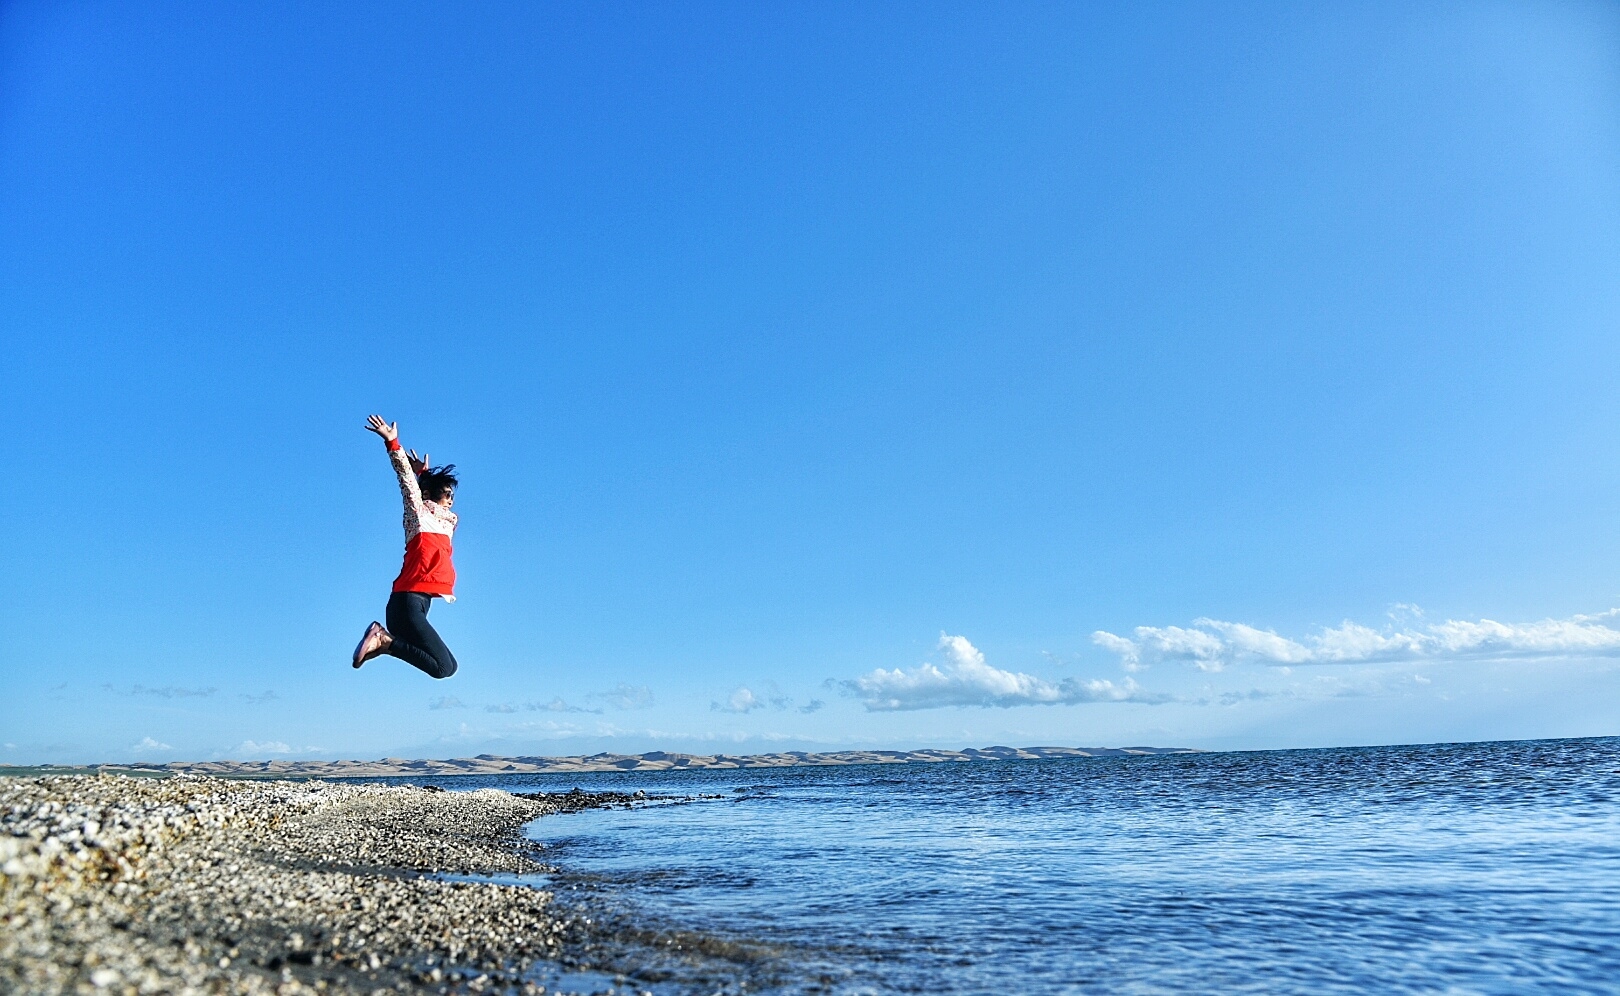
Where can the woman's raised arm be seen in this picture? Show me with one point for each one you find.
(408, 489)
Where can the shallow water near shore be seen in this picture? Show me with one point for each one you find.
(1489, 868)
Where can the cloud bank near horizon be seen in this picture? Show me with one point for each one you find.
(1213, 644)
(966, 679)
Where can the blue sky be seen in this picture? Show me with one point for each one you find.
(820, 374)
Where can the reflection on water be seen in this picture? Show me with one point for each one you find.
(1489, 868)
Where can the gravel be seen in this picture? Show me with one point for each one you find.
(193, 885)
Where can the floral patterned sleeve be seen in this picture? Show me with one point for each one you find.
(408, 488)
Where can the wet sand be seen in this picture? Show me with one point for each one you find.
(203, 885)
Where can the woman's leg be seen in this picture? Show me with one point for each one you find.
(415, 641)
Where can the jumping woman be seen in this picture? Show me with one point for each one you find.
(428, 574)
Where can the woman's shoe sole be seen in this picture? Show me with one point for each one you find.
(360, 655)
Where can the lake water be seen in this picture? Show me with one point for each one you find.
(1477, 868)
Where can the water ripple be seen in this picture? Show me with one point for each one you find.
(1469, 868)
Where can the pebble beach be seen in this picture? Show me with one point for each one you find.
(193, 885)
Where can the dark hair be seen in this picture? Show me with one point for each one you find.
(435, 481)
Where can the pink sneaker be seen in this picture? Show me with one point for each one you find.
(373, 643)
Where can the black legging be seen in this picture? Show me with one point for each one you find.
(415, 641)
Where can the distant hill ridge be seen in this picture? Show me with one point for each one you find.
(490, 764)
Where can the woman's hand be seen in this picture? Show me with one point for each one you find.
(418, 463)
(389, 432)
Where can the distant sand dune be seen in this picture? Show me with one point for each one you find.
(489, 764)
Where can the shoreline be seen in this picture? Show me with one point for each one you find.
(192, 885)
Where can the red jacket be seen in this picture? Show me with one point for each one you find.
(428, 529)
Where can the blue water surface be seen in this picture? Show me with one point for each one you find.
(1475, 868)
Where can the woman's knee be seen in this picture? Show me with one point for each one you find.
(446, 669)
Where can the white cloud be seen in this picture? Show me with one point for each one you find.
(745, 700)
(740, 701)
(1248, 641)
(557, 705)
(147, 743)
(1211, 644)
(1102, 690)
(548, 729)
(965, 679)
(1129, 655)
(268, 747)
(446, 702)
(166, 692)
(623, 696)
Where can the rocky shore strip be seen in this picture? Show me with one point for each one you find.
(193, 885)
